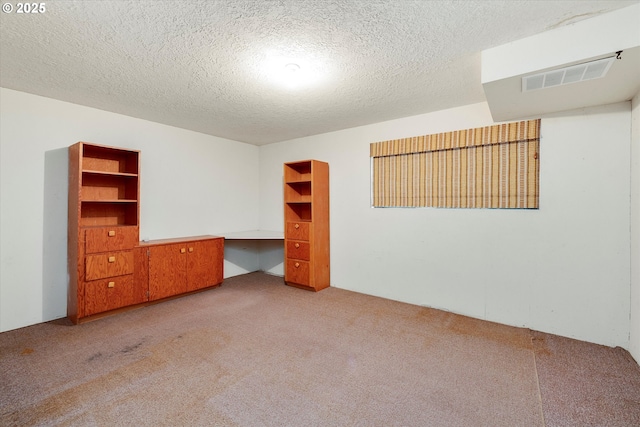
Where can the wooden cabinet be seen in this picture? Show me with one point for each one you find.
(102, 229)
(167, 270)
(205, 259)
(306, 217)
(178, 266)
(109, 268)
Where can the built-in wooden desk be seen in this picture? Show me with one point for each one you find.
(253, 250)
(254, 235)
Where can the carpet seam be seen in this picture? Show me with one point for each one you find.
(535, 370)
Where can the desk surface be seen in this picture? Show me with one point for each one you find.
(254, 235)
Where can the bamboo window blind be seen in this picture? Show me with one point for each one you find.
(490, 167)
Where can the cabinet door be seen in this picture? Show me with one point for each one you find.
(204, 263)
(167, 270)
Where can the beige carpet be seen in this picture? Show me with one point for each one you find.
(257, 353)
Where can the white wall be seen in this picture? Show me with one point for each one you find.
(562, 269)
(634, 339)
(191, 184)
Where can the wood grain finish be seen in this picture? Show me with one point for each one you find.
(167, 270)
(75, 255)
(203, 263)
(110, 270)
(297, 230)
(298, 250)
(97, 186)
(108, 264)
(177, 266)
(110, 293)
(306, 215)
(297, 271)
(103, 198)
(107, 159)
(141, 272)
(110, 239)
(113, 213)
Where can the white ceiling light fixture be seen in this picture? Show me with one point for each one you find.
(293, 68)
(290, 72)
(293, 75)
(562, 76)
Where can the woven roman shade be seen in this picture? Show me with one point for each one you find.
(490, 167)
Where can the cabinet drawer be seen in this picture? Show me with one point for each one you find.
(297, 272)
(109, 294)
(297, 231)
(108, 265)
(106, 239)
(298, 250)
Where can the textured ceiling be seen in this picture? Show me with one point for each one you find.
(201, 65)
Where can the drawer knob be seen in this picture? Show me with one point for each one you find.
(112, 259)
(297, 245)
(111, 285)
(112, 233)
(182, 250)
(296, 226)
(190, 249)
(297, 264)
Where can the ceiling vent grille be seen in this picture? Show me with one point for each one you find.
(564, 76)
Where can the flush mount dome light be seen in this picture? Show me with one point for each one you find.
(291, 67)
(291, 72)
(292, 77)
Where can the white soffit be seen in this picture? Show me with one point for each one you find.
(566, 68)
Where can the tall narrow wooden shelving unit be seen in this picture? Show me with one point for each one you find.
(103, 229)
(306, 217)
